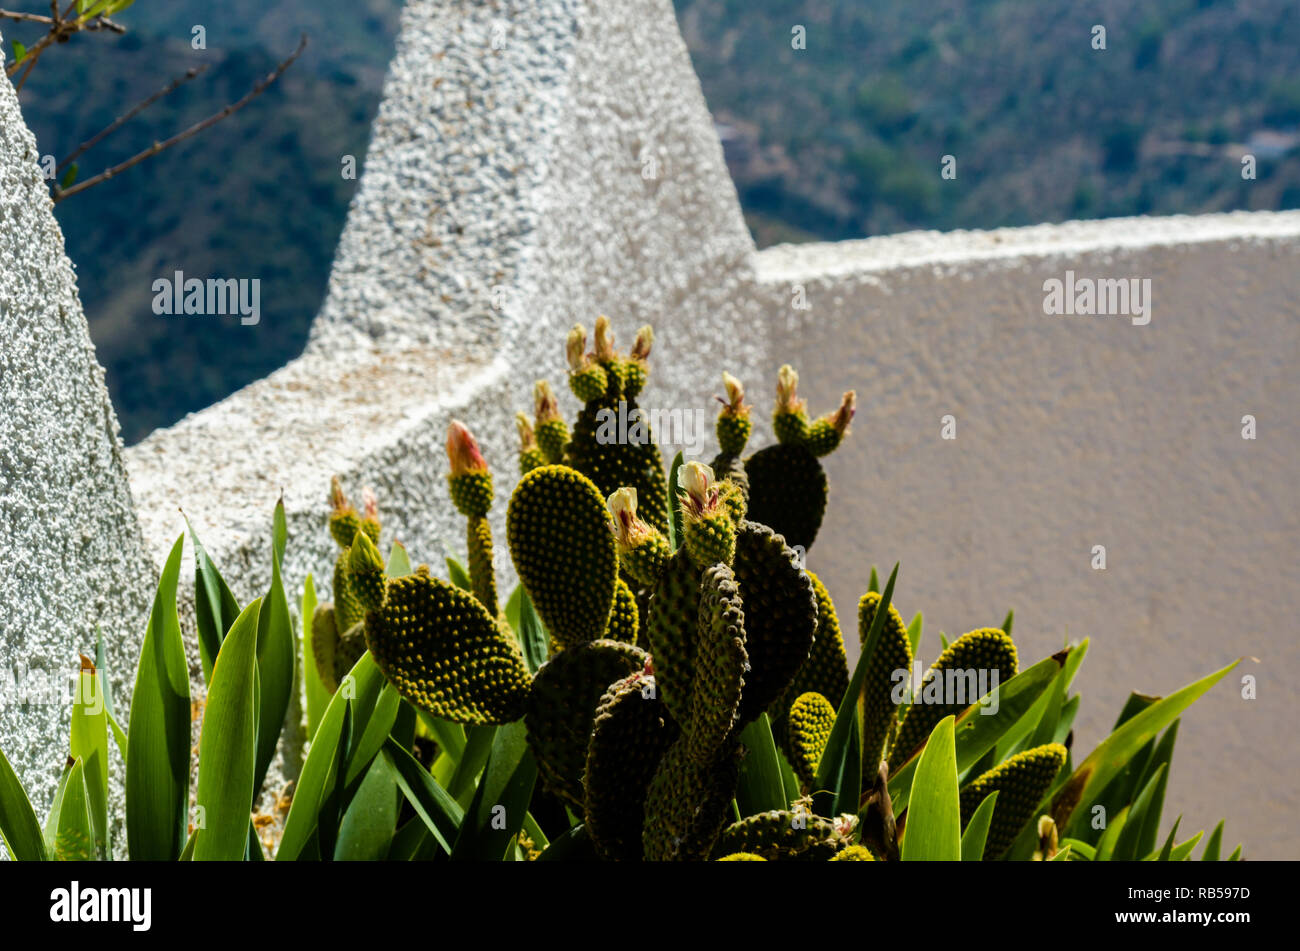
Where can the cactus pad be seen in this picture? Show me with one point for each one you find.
(854, 853)
(625, 618)
(562, 707)
(893, 653)
(347, 609)
(720, 662)
(780, 616)
(687, 803)
(986, 649)
(1021, 783)
(672, 630)
(809, 729)
(781, 835)
(630, 734)
(562, 547)
(787, 492)
(442, 651)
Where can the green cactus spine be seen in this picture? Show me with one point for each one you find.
(1021, 783)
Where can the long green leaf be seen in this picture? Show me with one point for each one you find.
(317, 779)
(450, 736)
(440, 813)
(761, 787)
(106, 685)
(933, 831)
(370, 821)
(18, 825)
(501, 800)
(478, 748)
(215, 608)
(840, 772)
(1127, 846)
(158, 731)
(1214, 845)
(90, 744)
(275, 655)
(674, 503)
(1114, 752)
(532, 633)
(73, 840)
(318, 697)
(977, 830)
(457, 574)
(228, 745)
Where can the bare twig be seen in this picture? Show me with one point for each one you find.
(131, 114)
(62, 27)
(60, 194)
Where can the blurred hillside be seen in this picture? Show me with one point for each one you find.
(841, 139)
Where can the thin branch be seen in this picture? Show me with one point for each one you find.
(60, 194)
(25, 17)
(131, 114)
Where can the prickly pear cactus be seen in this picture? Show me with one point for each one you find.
(630, 734)
(782, 835)
(562, 708)
(985, 649)
(443, 652)
(893, 652)
(564, 552)
(809, 729)
(1021, 783)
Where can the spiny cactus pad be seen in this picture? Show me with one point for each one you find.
(471, 492)
(1021, 783)
(324, 643)
(625, 618)
(482, 574)
(720, 662)
(559, 538)
(630, 734)
(562, 707)
(688, 802)
(672, 630)
(366, 572)
(827, 669)
(809, 729)
(347, 609)
(787, 491)
(783, 834)
(986, 649)
(613, 459)
(893, 652)
(442, 650)
(780, 616)
(741, 857)
(854, 853)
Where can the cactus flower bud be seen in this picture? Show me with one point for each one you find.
(463, 451)
(787, 391)
(645, 338)
(700, 487)
(575, 348)
(709, 532)
(735, 401)
(642, 549)
(826, 434)
(344, 521)
(604, 340)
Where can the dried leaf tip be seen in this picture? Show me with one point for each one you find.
(841, 418)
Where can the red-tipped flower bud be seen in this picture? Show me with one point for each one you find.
(463, 451)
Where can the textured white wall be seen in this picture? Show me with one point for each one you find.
(71, 556)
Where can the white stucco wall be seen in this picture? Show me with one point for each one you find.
(71, 556)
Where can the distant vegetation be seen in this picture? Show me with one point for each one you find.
(841, 139)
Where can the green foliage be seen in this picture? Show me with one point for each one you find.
(737, 732)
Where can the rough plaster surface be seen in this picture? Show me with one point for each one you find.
(71, 555)
(571, 169)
